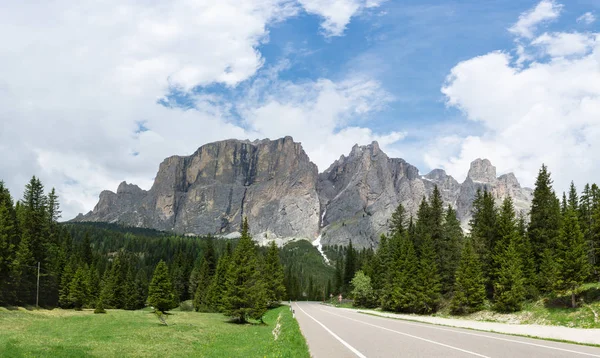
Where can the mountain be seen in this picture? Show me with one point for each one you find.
(274, 184)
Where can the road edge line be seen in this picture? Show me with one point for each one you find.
(354, 350)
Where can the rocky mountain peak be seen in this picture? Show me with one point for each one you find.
(482, 170)
(275, 185)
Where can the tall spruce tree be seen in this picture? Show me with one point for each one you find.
(450, 251)
(9, 238)
(77, 289)
(273, 272)
(350, 263)
(544, 224)
(398, 221)
(469, 287)
(160, 293)
(571, 257)
(509, 286)
(484, 234)
(428, 282)
(245, 295)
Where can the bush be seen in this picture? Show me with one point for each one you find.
(186, 306)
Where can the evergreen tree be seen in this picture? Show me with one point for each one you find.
(397, 222)
(571, 257)
(160, 292)
(401, 293)
(217, 287)
(273, 272)
(77, 289)
(544, 224)
(349, 266)
(421, 228)
(9, 238)
(245, 294)
(428, 283)
(509, 288)
(450, 251)
(573, 201)
(485, 235)
(23, 272)
(65, 285)
(469, 288)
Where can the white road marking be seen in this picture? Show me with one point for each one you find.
(411, 336)
(354, 350)
(491, 337)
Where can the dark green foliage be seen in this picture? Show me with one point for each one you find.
(571, 256)
(401, 293)
(350, 266)
(484, 234)
(544, 224)
(449, 250)
(273, 274)
(78, 290)
(160, 292)
(217, 287)
(398, 221)
(245, 295)
(428, 283)
(509, 287)
(469, 288)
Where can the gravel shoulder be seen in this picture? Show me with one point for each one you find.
(576, 335)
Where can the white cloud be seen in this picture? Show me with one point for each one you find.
(528, 22)
(77, 78)
(565, 44)
(588, 18)
(336, 14)
(548, 112)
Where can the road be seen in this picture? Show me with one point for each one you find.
(332, 332)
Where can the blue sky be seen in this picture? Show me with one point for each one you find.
(109, 90)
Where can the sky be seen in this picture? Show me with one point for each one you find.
(95, 93)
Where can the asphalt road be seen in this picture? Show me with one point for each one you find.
(332, 332)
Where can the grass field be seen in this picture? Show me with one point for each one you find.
(67, 333)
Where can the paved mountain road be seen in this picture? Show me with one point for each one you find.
(332, 333)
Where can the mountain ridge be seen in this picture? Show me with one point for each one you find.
(274, 184)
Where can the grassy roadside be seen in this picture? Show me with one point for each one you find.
(119, 333)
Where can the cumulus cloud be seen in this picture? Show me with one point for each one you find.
(548, 112)
(528, 22)
(80, 84)
(588, 18)
(336, 14)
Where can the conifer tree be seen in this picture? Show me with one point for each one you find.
(349, 266)
(217, 287)
(571, 257)
(397, 222)
(484, 234)
(450, 251)
(273, 273)
(77, 289)
(544, 224)
(573, 201)
(9, 237)
(428, 282)
(245, 295)
(401, 293)
(421, 228)
(65, 284)
(160, 292)
(469, 288)
(509, 288)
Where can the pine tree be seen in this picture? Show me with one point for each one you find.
(273, 272)
(23, 272)
(428, 282)
(544, 224)
(509, 288)
(573, 201)
(397, 222)
(160, 292)
(469, 288)
(401, 293)
(9, 237)
(484, 234)
(349, 266)
(571, 257)
(245, 295)
(421, 228)
(77, 289)
(450, 251)
(216, 290)
(65, 285)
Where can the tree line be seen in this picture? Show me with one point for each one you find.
(107, 266)
(506, 259)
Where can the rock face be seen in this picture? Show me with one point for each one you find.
(278, 188)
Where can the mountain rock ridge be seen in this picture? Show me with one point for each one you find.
(274, 184)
